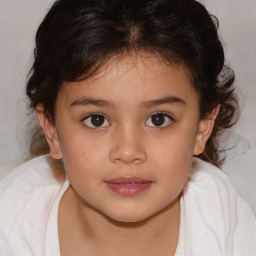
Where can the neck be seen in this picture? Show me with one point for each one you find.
(154, 234)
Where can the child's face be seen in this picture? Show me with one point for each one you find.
(137, 118)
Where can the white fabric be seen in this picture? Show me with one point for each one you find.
(52, 238)
(27, 195)
(214, 221)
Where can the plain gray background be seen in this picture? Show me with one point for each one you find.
(19, 20)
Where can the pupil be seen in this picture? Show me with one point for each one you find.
(158, 120)
(97, 120)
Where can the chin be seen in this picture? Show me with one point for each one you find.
(129, 216)
(122, 220)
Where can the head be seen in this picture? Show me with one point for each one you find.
(77, 38)
(109, 48)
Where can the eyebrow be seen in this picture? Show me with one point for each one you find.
(165, 100)
(148, 103)
(91, 101)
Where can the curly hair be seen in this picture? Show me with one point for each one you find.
(77, 37)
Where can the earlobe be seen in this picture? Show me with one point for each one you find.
(204, 131)
(49, 131)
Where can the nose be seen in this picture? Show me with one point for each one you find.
(128, 146)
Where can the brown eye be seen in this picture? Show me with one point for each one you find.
(159, 120)
(96, 121)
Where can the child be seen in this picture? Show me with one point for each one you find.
(127, 93)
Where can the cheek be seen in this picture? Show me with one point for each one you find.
(82, 159)
(172, 158)
(87, 156)
(80, 146)
(177, 147)
(77, 156)
(175, 170)
(82, 166)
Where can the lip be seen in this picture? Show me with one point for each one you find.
(128, 186)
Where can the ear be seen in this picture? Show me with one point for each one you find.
(50, 133)
(204, 131)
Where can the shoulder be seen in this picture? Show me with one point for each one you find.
(225, 215)
(32, 176)
(210, 180)
(26, 196)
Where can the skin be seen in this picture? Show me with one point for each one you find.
(94, 220)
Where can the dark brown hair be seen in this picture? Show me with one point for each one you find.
(77, 37)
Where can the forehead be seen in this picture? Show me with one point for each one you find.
(143, 75)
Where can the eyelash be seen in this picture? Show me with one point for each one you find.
(171, 120)
(94, 115)
(93, 127)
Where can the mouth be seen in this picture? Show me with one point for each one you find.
(128, 186)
